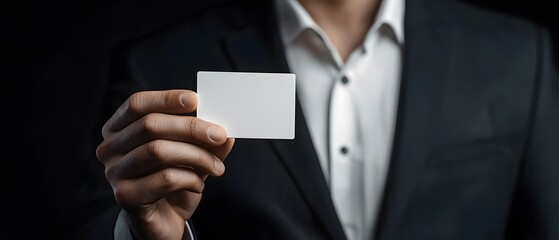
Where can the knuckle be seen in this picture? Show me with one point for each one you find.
(101, 151)
(168, 98)
(167, 178)
(105, 130)
(122, 195)
(155, 149)
(134, 103)
(109, 172)
(150, 123)
(192, 126)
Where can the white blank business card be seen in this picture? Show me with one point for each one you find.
(248, 104)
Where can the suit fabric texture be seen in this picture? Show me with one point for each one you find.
(476, 147)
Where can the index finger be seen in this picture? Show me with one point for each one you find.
(142, 103)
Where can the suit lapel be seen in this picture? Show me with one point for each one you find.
(427, 51)
(258, 48)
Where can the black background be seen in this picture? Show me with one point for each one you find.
(37, 31)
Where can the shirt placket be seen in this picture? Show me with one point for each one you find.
(345, 150)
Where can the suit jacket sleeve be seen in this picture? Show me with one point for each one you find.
(535, 211)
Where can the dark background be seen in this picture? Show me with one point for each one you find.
(34, 33)
(39, 31)
(42, 27)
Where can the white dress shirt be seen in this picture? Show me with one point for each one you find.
(350, 107)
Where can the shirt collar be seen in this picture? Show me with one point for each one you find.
(294, 18)
(391, 13)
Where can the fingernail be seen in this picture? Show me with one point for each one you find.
(218, 166)
(215, 133)
(187, 102)
(181, 101)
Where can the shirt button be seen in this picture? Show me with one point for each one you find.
(344, 150)
(345, 80)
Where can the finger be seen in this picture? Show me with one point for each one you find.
(162, 126)
(160, 154)
(153, 187)
(142, 103)
(223, 151)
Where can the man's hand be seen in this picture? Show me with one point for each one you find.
(157, 160)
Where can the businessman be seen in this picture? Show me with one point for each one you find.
(418, 119)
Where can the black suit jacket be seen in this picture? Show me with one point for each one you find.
(476, 149)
